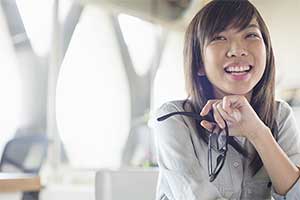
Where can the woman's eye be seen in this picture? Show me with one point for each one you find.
(252, 35)
(218, 38)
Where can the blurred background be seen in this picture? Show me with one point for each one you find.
(87, 75)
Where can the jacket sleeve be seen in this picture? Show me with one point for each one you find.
(289, 141)
(178, 164)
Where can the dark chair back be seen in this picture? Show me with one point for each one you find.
(24, 154)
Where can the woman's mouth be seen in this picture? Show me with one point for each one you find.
(238, 72)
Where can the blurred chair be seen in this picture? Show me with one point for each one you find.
(25, 154)
(126, 184)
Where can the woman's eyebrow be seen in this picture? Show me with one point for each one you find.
(252, 26)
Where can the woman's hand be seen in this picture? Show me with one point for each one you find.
(241, 119)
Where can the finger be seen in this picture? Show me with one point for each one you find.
(226, 104)
(217, 116)
(208, 106)
(211, 126)
(224, 114)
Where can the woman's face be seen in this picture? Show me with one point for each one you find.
(234, 62)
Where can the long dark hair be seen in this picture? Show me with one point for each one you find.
(212, 19)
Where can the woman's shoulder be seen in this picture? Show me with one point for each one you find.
(285, 118)
(166, 108)
(284, 110)
(171, 106)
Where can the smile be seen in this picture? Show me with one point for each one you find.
(238, 69)
(240, 73)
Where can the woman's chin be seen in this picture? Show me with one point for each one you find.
(221, 92)
(238, 91)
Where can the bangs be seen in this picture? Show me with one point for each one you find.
(220, 15)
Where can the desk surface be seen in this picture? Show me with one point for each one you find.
(18, 182)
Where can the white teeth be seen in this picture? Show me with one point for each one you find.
(237, 68)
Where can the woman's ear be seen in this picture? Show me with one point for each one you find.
(201, 71)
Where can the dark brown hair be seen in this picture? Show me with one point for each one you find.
(212, 19)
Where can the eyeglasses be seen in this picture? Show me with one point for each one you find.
(219, 142)
(216, 141)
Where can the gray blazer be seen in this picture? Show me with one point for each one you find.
(182, 159)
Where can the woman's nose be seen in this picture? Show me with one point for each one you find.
(236, 50)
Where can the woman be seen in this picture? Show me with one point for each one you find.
(229, 72)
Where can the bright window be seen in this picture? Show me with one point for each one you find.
(93, 103)
(169, 81)
(140, 38)
(10, 86)
(37, 16)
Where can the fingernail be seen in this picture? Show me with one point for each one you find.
(202, 123)
(222, 126)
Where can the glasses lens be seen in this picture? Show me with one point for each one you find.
(218, 141)
(215, 163)
(210, 166)
(222, 140)
(218, 166)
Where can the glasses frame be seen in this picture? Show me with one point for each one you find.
(212, 171)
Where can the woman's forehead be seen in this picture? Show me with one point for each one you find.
(252, 24)
(234, 26)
